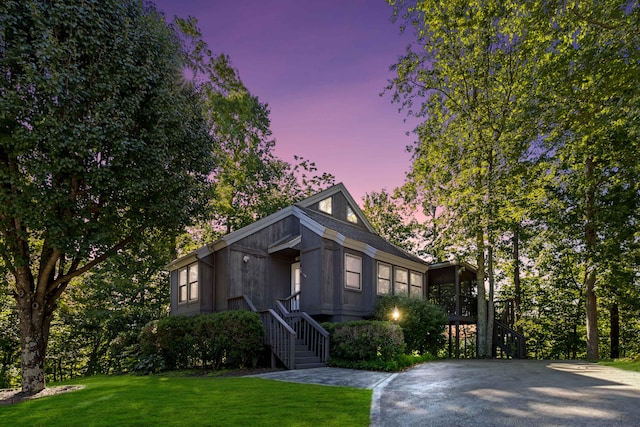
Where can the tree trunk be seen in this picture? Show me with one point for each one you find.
(482, 299)
(490, 305)
(34, 334)
(34, 316)
(590, 282)
(517, 298)
(615, 330)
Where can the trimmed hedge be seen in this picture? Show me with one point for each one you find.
(231, 338)
(365, 340)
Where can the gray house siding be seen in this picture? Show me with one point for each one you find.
(256, 261)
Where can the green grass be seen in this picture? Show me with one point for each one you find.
(174, 401)
(626, 364)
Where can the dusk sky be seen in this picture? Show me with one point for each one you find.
(320, 65)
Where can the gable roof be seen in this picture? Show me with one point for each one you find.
(338, 188)
(326, 226)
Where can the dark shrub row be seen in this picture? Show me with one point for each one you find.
(231, 338)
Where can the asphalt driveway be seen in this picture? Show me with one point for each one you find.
(479, 393)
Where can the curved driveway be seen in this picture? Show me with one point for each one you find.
(479, 393)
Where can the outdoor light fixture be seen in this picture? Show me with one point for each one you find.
(245, 258)
(396, 314)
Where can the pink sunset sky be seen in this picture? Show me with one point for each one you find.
(320, 65)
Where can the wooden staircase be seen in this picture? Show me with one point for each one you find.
(293, 337)
(507, 342)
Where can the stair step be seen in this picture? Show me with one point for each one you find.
(310, 365)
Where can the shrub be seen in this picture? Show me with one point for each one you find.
(365, 340)
(179, 342)
(422, 323)
(235, 337)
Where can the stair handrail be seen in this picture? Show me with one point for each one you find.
(289, 301)
(502, 332)
(280, 337)
(312, 334)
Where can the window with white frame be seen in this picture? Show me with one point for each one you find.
(188, 283)
(384, 279)
(401, 282)
(415, 278)
(325, 205)
(353, 272)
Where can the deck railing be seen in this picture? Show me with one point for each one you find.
(509, 342)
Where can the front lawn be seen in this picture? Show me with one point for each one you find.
(178, 401)
(626, 364)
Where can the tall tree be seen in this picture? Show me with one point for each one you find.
(589, 75)
(102, 143)
(249, 181)
(464, 79)
(387, 216)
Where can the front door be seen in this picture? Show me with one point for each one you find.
(295, 285)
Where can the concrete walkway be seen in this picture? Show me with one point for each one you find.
(481, 393)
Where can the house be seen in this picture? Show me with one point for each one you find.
(318, 260)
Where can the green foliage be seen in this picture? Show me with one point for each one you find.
(248, 182)
(364, 340)
(387, 215)
(103, 144)
(9, 340)
(230, 338)
(401, 362)
(529, 135)
(422, 323)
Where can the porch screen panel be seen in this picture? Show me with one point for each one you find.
(401, 285)
(384, 279)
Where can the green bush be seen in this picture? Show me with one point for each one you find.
(230, 337)
(178, 342)
(422, 323)
(365, 340)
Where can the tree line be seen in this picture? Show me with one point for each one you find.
(526, 161)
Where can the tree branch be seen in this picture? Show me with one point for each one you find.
(75, 272)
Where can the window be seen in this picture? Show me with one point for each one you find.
(401, 282)
(353, 272)
(351, 216)
(384, 279)
(188, 283)
(416, 284)
(325, 205)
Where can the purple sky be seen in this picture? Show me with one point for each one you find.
(320, 65)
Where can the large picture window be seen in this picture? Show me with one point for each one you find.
(401, 282)
(384, 279)
(416, 284)
(188, 283)
(353, 272)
